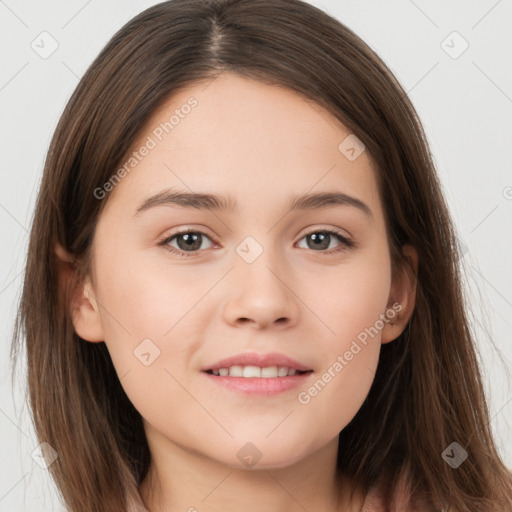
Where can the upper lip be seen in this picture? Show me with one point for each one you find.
(261, 360)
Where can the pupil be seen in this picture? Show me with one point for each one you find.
(320, 240)
(190, 239)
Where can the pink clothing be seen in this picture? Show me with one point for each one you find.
(402, 501)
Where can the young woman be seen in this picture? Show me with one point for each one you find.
(242, 289)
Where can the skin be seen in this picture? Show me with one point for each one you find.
(197, 309)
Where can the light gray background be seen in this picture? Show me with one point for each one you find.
(465, 104)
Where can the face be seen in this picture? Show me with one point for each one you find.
(310, 281)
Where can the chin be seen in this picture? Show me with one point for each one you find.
(261, 453)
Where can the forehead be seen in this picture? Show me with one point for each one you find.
(244, 138)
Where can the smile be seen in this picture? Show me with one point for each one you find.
(255, 380)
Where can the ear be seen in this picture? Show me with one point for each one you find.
(402, 296)
(84, 307)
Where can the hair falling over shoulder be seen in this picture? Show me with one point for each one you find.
(428, 390)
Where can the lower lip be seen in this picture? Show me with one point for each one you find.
(258, 385)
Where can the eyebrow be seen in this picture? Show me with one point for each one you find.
(202, 201)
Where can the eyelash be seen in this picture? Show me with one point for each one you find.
(345, 244)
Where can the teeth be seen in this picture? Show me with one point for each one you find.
(270, 371)
(236, 371)
(251, 371)
(255, 371)
(282, 372)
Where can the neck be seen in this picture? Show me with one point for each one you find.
(183, 480)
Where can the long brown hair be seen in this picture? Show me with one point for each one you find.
(427, 392)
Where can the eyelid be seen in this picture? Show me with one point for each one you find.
(315, 228)
(164, 239)
(186, 228)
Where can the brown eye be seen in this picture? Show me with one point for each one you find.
(187, 242)
(321, 240)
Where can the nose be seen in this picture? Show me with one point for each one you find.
(261, 296)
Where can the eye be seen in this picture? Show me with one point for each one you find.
(189, 242)
(320, 240)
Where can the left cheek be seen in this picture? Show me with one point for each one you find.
(352, 303)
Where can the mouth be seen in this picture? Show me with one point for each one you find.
(258, 381)
(251, 372)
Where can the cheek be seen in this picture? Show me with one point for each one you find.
(350, 304)
(148, 333)
(350, 357)
(350, 298)
(151, 319)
